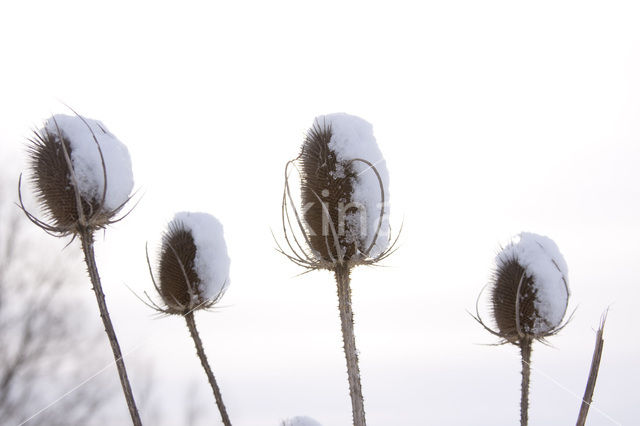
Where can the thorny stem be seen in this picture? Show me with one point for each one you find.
(349, 340)
(191, 324)
(86, 237)
(525, 351)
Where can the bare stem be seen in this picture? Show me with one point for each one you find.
(191, 324)
(593, 374)
(86, 236)
(349, 340)
(525, 351)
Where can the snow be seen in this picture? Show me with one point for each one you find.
(86, 161)
(352, 138)
(300, 421)
(542, 260)
(211, 261)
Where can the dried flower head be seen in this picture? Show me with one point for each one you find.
(81, 174)
(344, 194)
(193, 265)
(529, 290)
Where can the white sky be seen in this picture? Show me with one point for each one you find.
(494, 118)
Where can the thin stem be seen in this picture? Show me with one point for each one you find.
(191, 324)
(86, 237)
(593, 375)
(525, 351)
(349, 340)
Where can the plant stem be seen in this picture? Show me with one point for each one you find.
(191, 324)
(86, 236)
(349, 340)
(593, 374)
(525, 351)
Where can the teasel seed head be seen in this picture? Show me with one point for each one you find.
(193, 265)
(343, 218)
(529, 290)
(300, 421)
(81, 174)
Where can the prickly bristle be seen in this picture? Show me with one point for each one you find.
(177, 268)
(503, 300)
(51, 178)
(324, 178)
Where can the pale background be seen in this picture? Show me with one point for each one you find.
(494, 118)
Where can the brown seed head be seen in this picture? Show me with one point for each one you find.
(179, 283)
(529, 291)
(327, 187)
(68, 208)
(51, 177)
(513, 301)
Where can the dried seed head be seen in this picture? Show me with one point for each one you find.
(327, 187)
(529, 292)
(193, 265)
(52, 181)
(70, 157)
(344, 192)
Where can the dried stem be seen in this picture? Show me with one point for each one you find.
(191, 324)
(593, 374)
(350, 352)
(525, 351)
(86, 236)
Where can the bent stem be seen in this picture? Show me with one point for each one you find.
(349, 340)
(525, 351)
(86, 236)
(191, 324)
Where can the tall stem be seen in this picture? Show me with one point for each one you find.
(191, 324)
(86, 236)
(349, 340)
(525, 351)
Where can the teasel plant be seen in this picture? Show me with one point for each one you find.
(528, 299)
(82, 177)
(192, 274)
(342, 220)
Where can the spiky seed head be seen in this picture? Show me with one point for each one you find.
(179, 282)
(70, 157)
(344, 192)
(193, 265)
(529, 291)
(327, 186)
(51, 179)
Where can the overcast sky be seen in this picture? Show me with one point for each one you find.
(494, 118)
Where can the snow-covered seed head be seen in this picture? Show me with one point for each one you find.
(193, 266)
(300, 421)
(529, 292)
(81, 173)
(344, 191)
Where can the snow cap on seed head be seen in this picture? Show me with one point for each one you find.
(530, 288)
(80, 170)
(345, 192)
(300, 421)
(193, 264)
